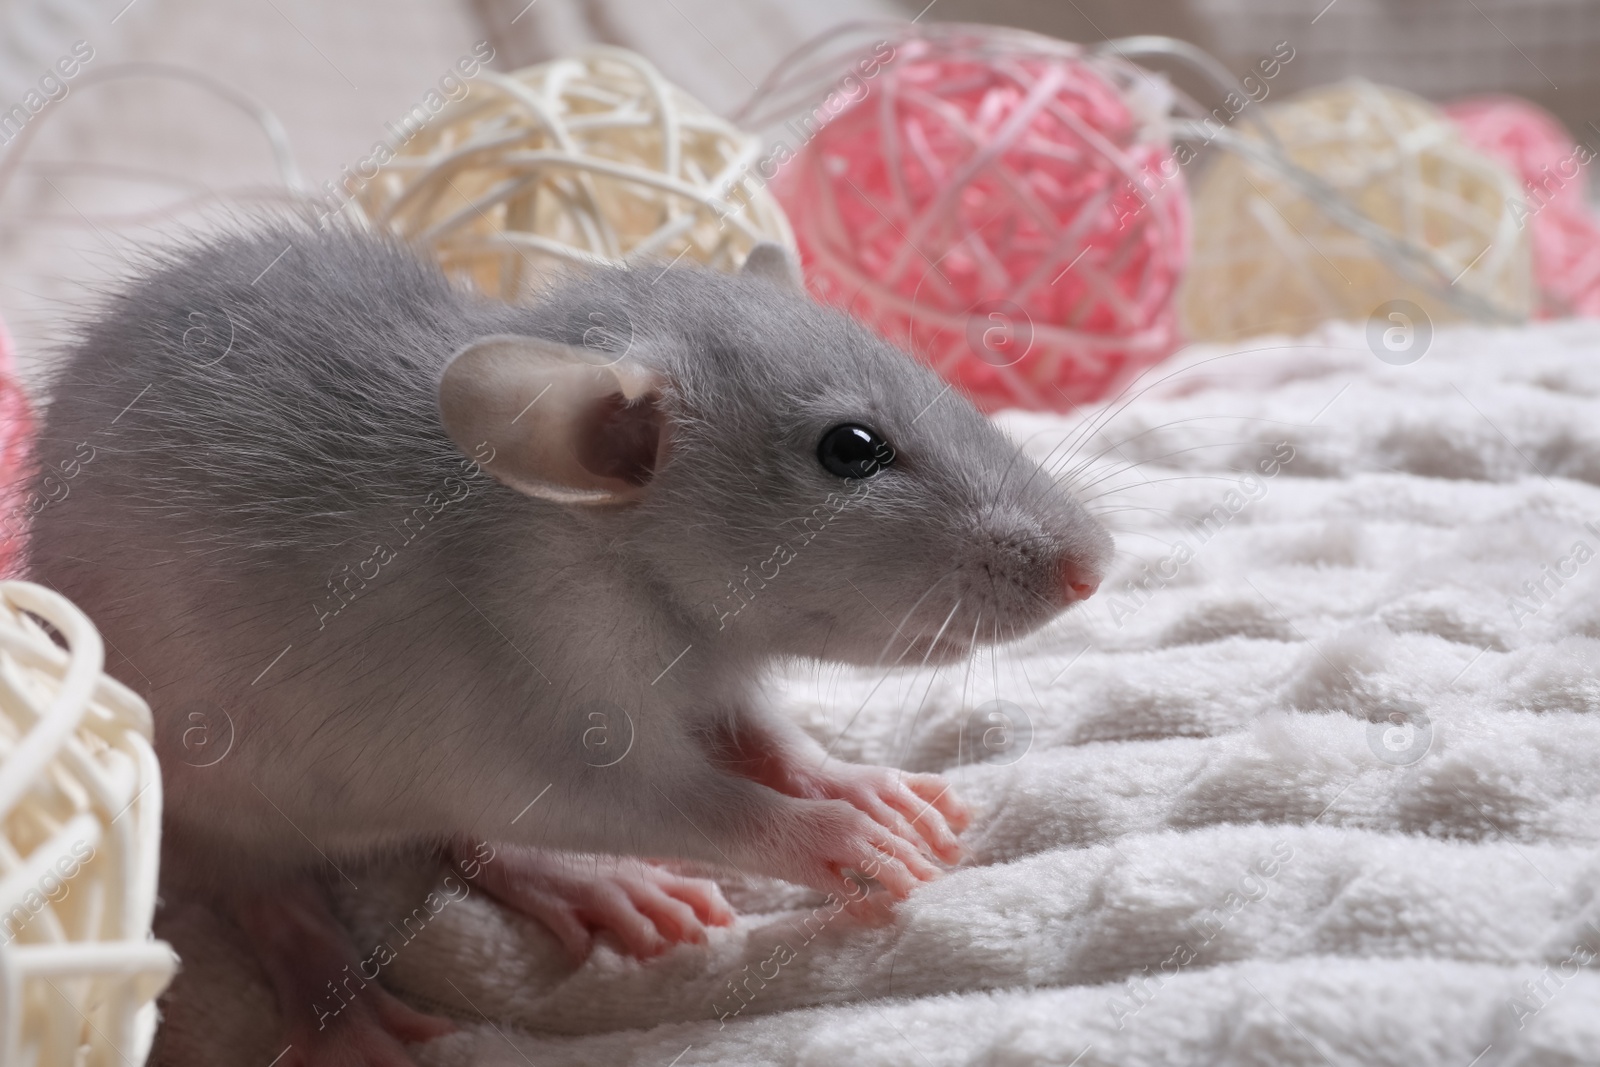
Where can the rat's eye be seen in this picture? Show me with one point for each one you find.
(853, 451)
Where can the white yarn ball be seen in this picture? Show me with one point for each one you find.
(80, 828)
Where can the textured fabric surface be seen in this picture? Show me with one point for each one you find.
(1324, 793)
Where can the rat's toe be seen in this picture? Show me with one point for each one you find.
(561, 919)
(614, 909)
(931, 825)
(888, 859)
(832, 845)
(703, 896)
(905, 806)
(879, 806)
(676, 923)
(935, 792)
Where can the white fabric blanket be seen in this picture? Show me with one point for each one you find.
(1324, 793)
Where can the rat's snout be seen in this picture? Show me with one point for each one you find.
(1028, 560)
(1078, 581)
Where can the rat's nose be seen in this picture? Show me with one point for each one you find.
(1077, 582)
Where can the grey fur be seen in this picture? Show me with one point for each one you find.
(230, 480)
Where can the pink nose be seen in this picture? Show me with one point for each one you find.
(1078, 583)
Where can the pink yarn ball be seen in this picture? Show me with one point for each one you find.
(16, 437)
(1004, 206)
(1564, 229)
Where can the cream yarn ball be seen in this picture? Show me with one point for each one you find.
(593, 159)
(1389, 203)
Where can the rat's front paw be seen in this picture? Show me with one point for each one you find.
(646, 908)
(826, 840)
(916, 807)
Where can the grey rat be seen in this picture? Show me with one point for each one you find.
(417, 546)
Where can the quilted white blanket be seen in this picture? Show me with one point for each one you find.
(1315, 780)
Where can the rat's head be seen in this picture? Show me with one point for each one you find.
(772, 471)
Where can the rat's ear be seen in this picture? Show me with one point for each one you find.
(773, 262)
(555, 421)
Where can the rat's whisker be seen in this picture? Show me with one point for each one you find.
(938, 634)
(1160, 481)
(1103, 509)
(882, 657)
(1070, 473)
(932, 677)
(1114, 408)
(1153, 459)
(972, 642)
(899, 629)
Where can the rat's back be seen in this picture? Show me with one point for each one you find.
(254, 394)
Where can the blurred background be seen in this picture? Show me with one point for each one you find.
(112, 162)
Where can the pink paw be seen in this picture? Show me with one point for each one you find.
(835, 839)
(646, 908)
(917, 807)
